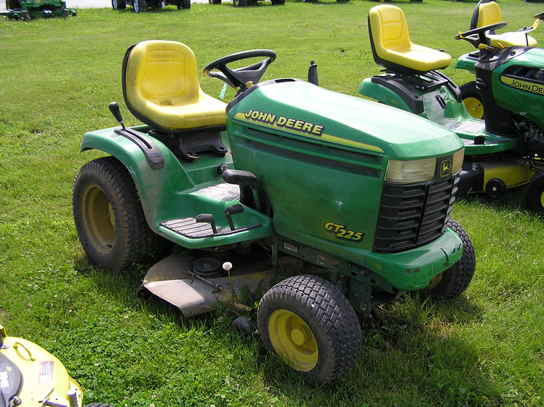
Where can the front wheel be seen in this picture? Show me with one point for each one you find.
(215, 1)
(109, 218)
(278, 2)
(452, 282)
(240, 3)
(310, 324)
(535, 194)
(472, 98)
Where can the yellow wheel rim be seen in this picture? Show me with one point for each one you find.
(293, 340)
(542, 199)
(98, 218)
(474, 107)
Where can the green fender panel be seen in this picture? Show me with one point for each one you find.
(170, 192)
(381, 94)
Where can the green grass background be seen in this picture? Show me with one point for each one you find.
(56, 79)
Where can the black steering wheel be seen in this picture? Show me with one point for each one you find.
(241, 77)
(477, 36)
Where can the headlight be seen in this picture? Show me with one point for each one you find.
(457, 161)
(406, 172)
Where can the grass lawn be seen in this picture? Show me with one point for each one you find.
(57, 77)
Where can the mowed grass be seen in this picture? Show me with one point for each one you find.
(57, 77)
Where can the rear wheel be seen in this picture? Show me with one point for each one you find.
(472, 98)
(311, 325)
(278, 2)
(535, 194)
(118, 4)
(109, 218)
(184, 4)
(139, 5)
(452, 282)
(215, 1)
(13, 4)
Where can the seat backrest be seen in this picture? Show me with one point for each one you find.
(486, 13)
(388, 29)
(161, 72)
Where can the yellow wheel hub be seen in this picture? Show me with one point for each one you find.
(474, 107)
(293, 340)
(98, 218)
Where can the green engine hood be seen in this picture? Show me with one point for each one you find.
(301, 109)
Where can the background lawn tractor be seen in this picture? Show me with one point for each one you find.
(504, 151)
(295, 184)
(142, 5)
(27, 9)
(487, 13)
(32, 377)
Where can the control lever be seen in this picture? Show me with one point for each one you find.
(312, 73)
(116, 112)
(237, 177)
(233, 210)
(207, 218)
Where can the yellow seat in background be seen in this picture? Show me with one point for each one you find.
(391, 44)
(489, 12)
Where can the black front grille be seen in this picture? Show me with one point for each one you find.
(413, 215)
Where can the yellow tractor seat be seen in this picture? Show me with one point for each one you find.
(489, 12)
(392, 47)
(161, 88)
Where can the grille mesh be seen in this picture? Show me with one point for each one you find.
(413, 215)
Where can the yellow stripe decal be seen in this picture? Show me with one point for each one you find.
(299, 128)
(523, 85)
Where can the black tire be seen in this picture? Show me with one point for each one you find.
(452, 282)
(472, 98)
(534, 199)
(331, 334)
(139, 6)
(278, 2)
(215, 1)
(13, 4)
(109, 218)
(184, 4)
(118, 4)
(241, 3)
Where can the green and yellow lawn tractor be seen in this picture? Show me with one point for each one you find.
(488, 13)
(139, 6)
(507, 149)
(32, 377)
(28, 9)
(289, 183)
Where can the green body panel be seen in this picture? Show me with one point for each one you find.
(171, 192)
(467, 62)
(522, 97)
(453, 116)
(300, 173)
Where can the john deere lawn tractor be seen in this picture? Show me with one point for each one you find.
(488, 13)
(289, 184)
(32, 377)
(139, 6)
(507, 149)
(28, 9)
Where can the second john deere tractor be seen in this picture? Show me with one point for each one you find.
(288, 183)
